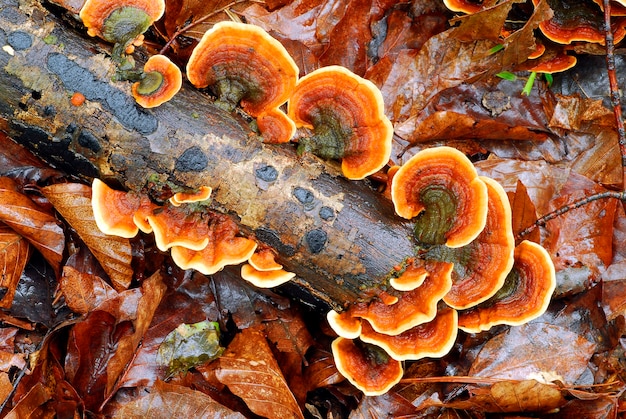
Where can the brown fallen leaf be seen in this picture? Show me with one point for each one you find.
(512, 396)
(73, 202)
(289, 333)
(14, 254)
(524, 352)
(582, 237)
(166, 401)
(37, 226)
(101, 347)
(523, 213)
(251, 372)
(84, 291)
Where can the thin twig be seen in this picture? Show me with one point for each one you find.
(562, 210)
(614, 87)
(194, 23)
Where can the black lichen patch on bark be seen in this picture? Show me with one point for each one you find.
(271, 237)
(327, 213)
(122, 106)
(192, 160)
(88, 140)
(305, 197)
(316, 240)
(19, 40)
(267, 173)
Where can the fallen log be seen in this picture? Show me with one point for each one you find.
(340, 237)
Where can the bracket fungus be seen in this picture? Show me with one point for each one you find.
(161, 80)
(433, 339)
(224, 247)
(113, 210)
(464, 6)
(575, 20)
(120, 22)
(345, 114)
(202, 194)
(524, 296)
(440, 188)
(368, 367)
(412, 307)
(481, 267)
(245, 65)
(263, 271)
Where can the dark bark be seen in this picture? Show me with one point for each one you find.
(339, 236)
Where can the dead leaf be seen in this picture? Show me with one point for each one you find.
(27, 219)
(83, 291)
(523, 213)
(511, 396)
(101, 347)
(385, 406)
(581, 237)
(250, 371)
(321, 370)
(520, 352)
(289, 333)
(488, 23)
(73, 202)
(20, 164)
(14, 254)
(166, 401)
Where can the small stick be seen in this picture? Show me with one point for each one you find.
(614, 87)
(562, 210)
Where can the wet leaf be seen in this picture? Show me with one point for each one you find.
(250, 371)
(83, 291)
(522, 352)
(101, 347)
(488, 23)
(321, 370)
(34, 296)
(20, 164)
(166, 401)
(581, 237)
(192, 301)
(523, 213)
(511, 396)
(289, 333)
(190, 345)
(27, 219)
(73, 202)
(385, 406)
(14, 254)
(247, 304)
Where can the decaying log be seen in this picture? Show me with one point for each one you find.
(338, 236)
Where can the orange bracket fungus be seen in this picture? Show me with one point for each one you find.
(161, 80)
(481, 267)
(412, 307)
(345, 114)
(263, 271)
(464, 6)
(224, 247)
(368, 367)
(243, 64)
(579, 21)
(524, 296)
(202, 194)
(114, 210)
(440, 187)
(120, 22)
(433, 339)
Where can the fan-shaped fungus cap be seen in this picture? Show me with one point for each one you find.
(344, 324)
(120, 21)
(525, 295)
(202, 194)
(482, 266)
(264, 260)
(275, 127)
(265, 279)
(413, 307)
(579, 21)
(244, 65)
(161, 81)
(368, 367)
(113, 210)
(173, 226)
(560, 62)
(224, 248)
(464, 6)
(412, 277)
(441, 185)
(433, 339)
(347, 117)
